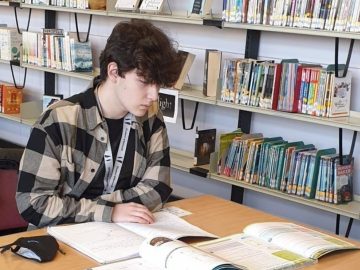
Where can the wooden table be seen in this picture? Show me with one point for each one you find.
(212, 214)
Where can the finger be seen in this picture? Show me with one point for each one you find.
(145, 214)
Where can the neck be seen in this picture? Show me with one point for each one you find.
(111, 107)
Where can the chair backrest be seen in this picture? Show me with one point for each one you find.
(9, 214)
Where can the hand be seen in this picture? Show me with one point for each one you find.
(132, 212)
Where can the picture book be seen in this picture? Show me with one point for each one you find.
(274, 245)
(163, 253)
(119, 241)
(204, 146)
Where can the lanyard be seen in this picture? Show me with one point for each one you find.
(112, 170)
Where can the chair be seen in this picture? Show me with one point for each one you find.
(10, 219)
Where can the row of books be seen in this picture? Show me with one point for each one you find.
(142, 5)
(54, 48)
(291, 167)
(319, 14)
(81, 4)
(10, 98)
(287, 86)
(10, 42)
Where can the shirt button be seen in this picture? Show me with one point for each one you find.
(102, 138)
(92, 170)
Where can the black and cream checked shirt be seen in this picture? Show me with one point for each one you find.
(64, 153)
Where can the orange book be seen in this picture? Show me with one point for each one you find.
(11, 99)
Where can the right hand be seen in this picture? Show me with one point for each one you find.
(132, 212)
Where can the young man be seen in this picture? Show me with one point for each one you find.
(103, 155)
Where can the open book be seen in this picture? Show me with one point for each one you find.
(160, 253)
(109, 242)
(274, 245)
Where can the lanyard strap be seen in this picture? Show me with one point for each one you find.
(112, 170)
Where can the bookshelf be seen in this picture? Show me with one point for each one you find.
(183, 160)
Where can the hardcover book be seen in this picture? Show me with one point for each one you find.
(204, 146)
(11, 99)
(81, 56)
(187, 61)
(211, 72)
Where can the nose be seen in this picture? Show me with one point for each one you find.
(153, 92)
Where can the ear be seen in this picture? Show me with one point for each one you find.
(112, 71)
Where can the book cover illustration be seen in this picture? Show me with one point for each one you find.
(81, 56)
(168, 104)
(204, 146)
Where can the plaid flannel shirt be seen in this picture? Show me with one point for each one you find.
(64, 152)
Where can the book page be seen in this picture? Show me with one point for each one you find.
(176, 255)
(133, 264)
(298, 239)
(253, 253)
(104, 242)
(166, 225)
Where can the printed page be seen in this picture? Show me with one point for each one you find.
(176, 255)
(298, 239)
(104, 242)
(253, 253)
(166, 225)
(133, 264)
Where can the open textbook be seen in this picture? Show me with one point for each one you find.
(274, 245)
(160, 253)
(109, 242)
(269, 245)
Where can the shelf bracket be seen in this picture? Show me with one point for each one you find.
(77, 29)
(16, 17)
(183, 115)
(337, 58)
(17, 63)
(348, 160)
(348, 229)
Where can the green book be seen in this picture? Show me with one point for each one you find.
(311, 181)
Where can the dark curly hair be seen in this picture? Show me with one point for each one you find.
(137, 44)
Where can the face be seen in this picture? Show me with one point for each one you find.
(134, 94)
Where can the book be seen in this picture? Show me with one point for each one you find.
(127, 4)
(197, 7)
(81, 56)
(151, 5)
(11, 98)
(211, 72)
(118, 241)
(49, 100)
(186, 63)
(274, 245)
(204, 146)
(164, 253)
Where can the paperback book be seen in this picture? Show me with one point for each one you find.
(119, 241)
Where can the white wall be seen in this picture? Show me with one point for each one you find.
(196, 39)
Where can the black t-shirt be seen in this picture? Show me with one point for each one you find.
(96, 187)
